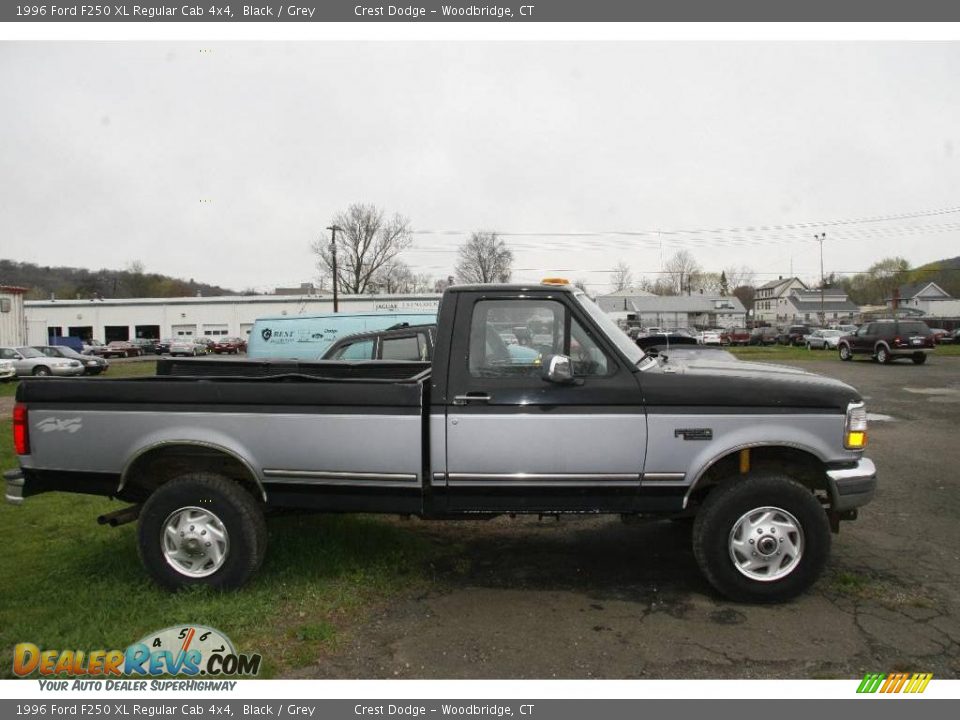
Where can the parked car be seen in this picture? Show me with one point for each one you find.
(187, 346)
(8, 371)
(711, 337)
(405, 342)
(163, 346)
(845, 329)
(665, 339)
(91, 365)
(764, 336)
(148, 346)
(735, 336)
(951, 338)
(28, 361)
(92, 347)
(120, 348)
(795, 335)
(887, 340)
(938, 334)
(824, 339)
(231, 346)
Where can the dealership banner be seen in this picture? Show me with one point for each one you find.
(500, 11)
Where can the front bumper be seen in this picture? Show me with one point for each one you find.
(852, 487)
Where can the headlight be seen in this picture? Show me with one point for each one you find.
(855, 428)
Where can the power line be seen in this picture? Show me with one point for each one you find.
(694, 231)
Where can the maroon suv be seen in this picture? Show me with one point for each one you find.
(887, 340)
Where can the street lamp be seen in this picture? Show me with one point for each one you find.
(820, 238)
(333, 252)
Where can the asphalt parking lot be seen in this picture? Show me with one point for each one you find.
(594, 598)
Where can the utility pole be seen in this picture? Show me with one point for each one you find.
(333, 251)
(820, 238)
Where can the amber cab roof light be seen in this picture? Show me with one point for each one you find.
(554, 281)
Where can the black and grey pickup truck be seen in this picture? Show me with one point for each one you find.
(569, 416)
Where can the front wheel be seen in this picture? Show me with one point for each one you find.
(764, 538)
(41, 371)
(201, 529)
(845, 353)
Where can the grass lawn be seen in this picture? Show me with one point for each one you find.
(68, 583)
(780, 353)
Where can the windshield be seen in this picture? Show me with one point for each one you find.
(29, 352)
(617, 336)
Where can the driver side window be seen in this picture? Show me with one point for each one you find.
(508, 338)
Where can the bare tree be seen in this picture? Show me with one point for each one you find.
(484, 258)
(738, 275)
(680, 269)
(705, 283)
(621, 278)
(392, 278)
(366, 241)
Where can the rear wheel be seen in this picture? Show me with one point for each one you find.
(201, 529)
(919, 358)
(764, 538)
(883, 355)
(41, 371)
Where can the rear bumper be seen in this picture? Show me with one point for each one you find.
(853, 487)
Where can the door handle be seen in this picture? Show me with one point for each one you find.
(470, 398)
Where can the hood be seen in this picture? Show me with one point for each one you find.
(705, 382)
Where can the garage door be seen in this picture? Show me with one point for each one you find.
(184, 330)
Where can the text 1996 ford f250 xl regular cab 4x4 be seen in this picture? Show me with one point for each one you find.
(765, 459)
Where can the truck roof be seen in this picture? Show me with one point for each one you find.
(513, 287)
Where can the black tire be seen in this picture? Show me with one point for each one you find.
(41, 371)
(845, 353)
(719, 515)
(236, 509)
(883, 355)
(919, 358)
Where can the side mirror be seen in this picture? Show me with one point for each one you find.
(557, 369)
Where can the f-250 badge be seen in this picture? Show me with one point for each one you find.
(70, 425)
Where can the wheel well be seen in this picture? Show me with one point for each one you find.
(154, 467)
(800, 465)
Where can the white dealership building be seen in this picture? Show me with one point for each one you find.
(228, 315)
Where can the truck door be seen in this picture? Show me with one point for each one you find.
(516, 442)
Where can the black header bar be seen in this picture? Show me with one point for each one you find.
(501, 11)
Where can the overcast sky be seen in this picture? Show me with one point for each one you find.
(108, 149)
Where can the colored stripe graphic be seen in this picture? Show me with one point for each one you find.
(894, 683)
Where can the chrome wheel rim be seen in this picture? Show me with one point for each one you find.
(195, 542)
(766, 544)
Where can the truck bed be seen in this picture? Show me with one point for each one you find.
(322, 369)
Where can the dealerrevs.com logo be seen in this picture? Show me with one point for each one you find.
(180, 650)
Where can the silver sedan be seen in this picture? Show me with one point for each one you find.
(824, 339)
(29, 361)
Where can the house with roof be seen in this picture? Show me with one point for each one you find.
(805, 306)
(927, 298)
(788, 301)
(674, 311)
(621, 300)
(770, 300)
